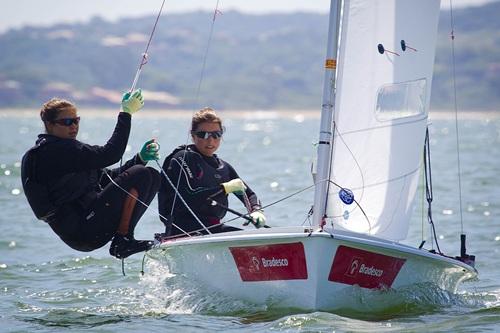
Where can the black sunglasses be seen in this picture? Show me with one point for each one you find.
(66, 121)
(205, 135)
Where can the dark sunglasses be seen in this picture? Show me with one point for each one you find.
(205, 135)
(67, 121)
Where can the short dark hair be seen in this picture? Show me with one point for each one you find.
(205, 115)
(51, 109)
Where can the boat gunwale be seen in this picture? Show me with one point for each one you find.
(347, 236)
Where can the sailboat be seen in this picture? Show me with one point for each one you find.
(377, 84)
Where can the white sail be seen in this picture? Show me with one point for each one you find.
(381, 110)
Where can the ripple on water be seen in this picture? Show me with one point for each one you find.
(73, 318)
(89, 291)
(167, 293)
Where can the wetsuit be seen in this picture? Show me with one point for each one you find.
(200, 177)
(77, 198)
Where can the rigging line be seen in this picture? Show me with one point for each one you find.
(330, 161)
(197, 231)
(456, 114)
(144, 58)
(205, 56)
(357, 204)
(182, 199)
(341, 136)
(178, 179)
(183, 172)
(280, 200)
(289, 196)
(143, 262)
(428, 187)
(411, 120)
(387, 181)
(176, 188)
(308, 217)
(202, 74)
(134, 197)
(423, 205)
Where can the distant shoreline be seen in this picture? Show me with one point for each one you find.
(242, 114)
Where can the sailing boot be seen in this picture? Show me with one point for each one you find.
(124, 246)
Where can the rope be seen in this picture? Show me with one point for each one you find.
(289, 196)
(361, 174)
(422, 207)
(456, 115)
(197, 231)
(428, 187)
(279, 200)
(358, 205)
(182, 199)
(202, 75)
(308, 217)
(143, 263)
(205, 56)
(302, 190)
(134, 197)
(144, 58)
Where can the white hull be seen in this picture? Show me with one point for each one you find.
(294, 267)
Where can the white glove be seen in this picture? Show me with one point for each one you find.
(234, 186)
(132, 102)
(259, 218)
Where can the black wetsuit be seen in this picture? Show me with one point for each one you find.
(86, 205)
(200, 177)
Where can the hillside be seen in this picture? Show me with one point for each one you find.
(254, 61)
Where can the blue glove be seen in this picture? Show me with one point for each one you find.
(149, 151)
(234, 186)
(131, 103)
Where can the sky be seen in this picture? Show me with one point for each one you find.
(17, 13)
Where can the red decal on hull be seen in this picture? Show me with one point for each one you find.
(270, 262)
(366, 269)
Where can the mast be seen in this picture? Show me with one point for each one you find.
(327, 109)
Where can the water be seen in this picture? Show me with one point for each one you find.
(47, 287)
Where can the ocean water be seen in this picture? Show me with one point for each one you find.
(47, 287)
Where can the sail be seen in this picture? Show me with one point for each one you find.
(381, 110)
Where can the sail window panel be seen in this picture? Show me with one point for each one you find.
(401, 100)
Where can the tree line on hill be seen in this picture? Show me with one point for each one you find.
(272, 61)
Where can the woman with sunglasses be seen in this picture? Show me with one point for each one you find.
(68, 187)
(202, 178)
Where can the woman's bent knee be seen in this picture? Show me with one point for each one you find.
(138, 173)
(155, 179)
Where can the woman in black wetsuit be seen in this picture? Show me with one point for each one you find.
(67, 186)
(201, 174)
